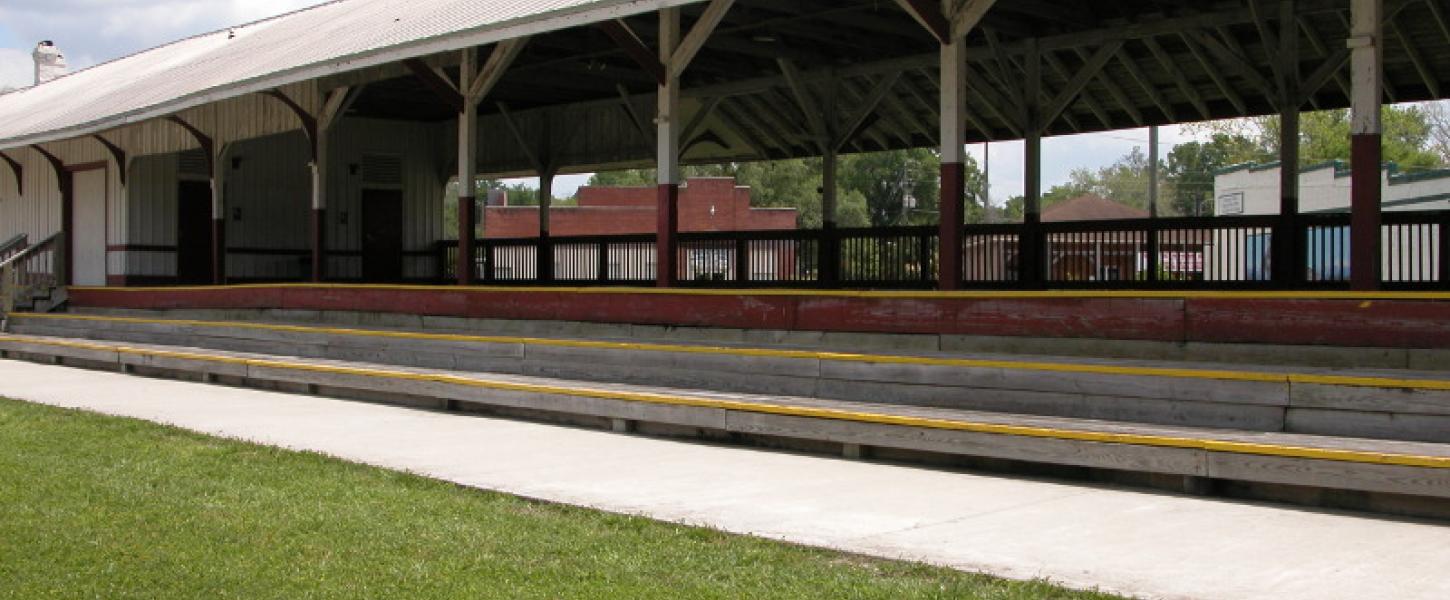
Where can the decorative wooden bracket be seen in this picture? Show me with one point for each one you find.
(117, 154)
(208, 146)
(18, 170)
(309, 122)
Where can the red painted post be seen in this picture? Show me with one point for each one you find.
(319, 248)
(1367, 66)
(1364, 227)
(953, 190)
(219, 250)
(667, 226)
(466, 219)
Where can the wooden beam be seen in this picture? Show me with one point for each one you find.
(524, 145)
(626, 105)
(707, 108)
(1092, 103)
(499, 61)
(821, 130)
(335, 105)
(1426, 73)
(868, 107)
(1331, 67)
(117, 154)
(1148, 87)
(444, 89)
(929, 14)
(695, 40)
(1238, 63)
(625, 38)
(1188, 89)
(1069, 94)
(1216, 75)
(969, 15)
(18, 170)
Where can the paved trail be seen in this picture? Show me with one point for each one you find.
(1139, 543)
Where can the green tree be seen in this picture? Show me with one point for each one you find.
(1324, 136)
(1193, 166)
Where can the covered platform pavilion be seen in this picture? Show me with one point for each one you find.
(318, 146)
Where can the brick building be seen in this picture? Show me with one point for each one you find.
(706, 204)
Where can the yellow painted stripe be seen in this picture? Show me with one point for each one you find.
(918, 294)
(1160, 441)
(1286, 378)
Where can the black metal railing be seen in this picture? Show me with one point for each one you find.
(1169, 253)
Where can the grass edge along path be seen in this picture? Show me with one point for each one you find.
(108, 507)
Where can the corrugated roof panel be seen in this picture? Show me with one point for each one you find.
(333, 37)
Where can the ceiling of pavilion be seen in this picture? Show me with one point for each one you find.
(1104, 65)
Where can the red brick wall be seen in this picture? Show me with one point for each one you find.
(714, 204)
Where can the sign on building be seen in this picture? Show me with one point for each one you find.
(1231, 204)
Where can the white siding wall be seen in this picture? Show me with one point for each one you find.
(153, 218)
(1323, 190)
(269, 186)
(424, 173)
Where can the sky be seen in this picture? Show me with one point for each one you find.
(90, 32)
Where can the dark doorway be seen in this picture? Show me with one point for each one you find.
(193, 233)
(382, 241)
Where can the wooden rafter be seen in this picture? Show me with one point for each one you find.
(1187, 89)
(1215, 75)
(1073, 90)
(443, 88)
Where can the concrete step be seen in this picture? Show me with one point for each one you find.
(1380, 404)
(1399, 472)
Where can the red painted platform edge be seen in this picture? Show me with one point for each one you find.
(1396, 323)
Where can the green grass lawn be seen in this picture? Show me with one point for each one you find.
(100, 507)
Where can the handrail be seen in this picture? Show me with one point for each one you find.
(44, 245)
(11, 245)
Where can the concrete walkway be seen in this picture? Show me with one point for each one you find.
(1137, 543)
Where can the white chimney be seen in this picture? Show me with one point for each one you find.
(49, 62)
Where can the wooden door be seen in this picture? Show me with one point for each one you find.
(88, 225)
(382, 236)
(193, 233)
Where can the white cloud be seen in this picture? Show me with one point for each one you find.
(16, 68)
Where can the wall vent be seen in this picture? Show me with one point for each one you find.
(382, 169)
(193, 162)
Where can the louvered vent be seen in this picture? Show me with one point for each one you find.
(382, 169)
(193, 162)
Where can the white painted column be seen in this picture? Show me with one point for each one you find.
(1366, 141)
(668, 153)
(467, 170)
(953, 162)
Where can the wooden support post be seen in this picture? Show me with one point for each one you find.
(333, 108)
(829, 250)
(1154, 255)
(1288, 259)
(1366, 38)
(668, 155)
(219, 168)
(1032, 259)
(319, 207)
(546, 247)
(467, 171)
(953, 162)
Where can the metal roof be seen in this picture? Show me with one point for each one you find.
(334, 37)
